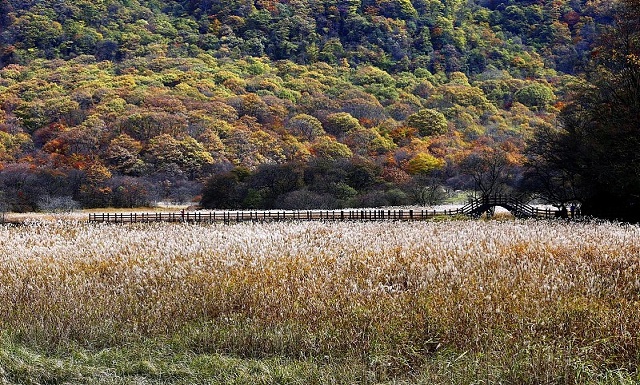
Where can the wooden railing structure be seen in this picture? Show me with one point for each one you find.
(520, 209)
(273, 215)
(475, 208)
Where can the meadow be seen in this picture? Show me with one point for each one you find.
(435, 302)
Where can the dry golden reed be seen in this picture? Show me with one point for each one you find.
(395, 290)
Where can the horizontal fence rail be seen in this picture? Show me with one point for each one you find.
(264, 216)
(302, 215)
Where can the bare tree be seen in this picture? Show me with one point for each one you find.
(57, 204)
(491, 171)
(426, 191)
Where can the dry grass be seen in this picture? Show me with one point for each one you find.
(514, 301)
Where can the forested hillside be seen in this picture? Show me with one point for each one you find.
(273, 103)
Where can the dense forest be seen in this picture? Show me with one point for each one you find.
(280, 103)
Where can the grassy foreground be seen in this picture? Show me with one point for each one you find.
(464, 302)
(161, 364)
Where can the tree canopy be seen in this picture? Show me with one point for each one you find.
(161, 97)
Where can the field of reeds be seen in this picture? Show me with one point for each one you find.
(449, 302)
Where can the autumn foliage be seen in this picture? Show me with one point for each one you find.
(171, 94)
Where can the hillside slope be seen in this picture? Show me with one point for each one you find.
(365, 102)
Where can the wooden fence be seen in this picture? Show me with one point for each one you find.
(267, 216)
